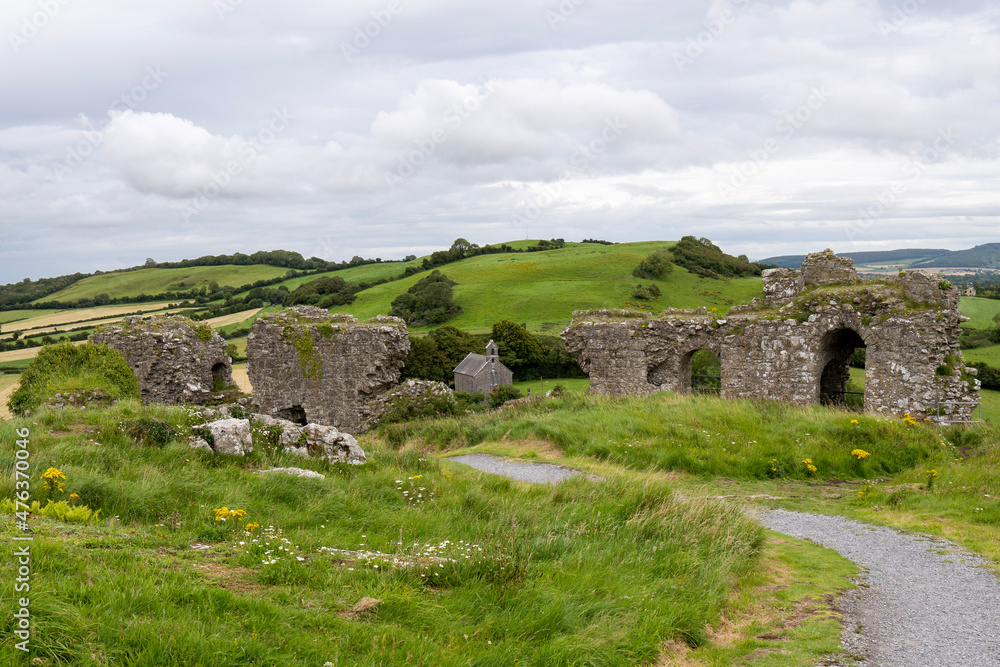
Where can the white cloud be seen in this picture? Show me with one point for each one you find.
(321, 181)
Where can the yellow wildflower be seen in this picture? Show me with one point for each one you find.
(860, 454)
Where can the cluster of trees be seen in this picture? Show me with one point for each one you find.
(704, 258)
(28, 290)
(428, 302)
(529, 356)
(323, 292)
(282, 258)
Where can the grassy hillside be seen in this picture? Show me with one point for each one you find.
(980, 310)
(543, 289)
(156, 281)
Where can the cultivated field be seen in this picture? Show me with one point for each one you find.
(39, 320)
(8, 383)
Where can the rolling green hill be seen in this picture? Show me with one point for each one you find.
(543, 289)
(985, 256)
(156, 281)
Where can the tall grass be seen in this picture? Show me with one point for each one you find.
(705, 436)
(578, 573)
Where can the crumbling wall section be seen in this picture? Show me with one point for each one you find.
(796, 346)
(309, 366)
(177, 361)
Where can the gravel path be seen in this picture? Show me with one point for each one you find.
(922, 602)
(522, 471)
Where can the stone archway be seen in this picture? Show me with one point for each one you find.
(836, 349)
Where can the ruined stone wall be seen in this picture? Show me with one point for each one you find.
(607, 348)
(307, 365)
(781, 285)
(798, 349)
(176, 360)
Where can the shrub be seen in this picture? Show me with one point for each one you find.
(68, 368)
(501, 395)
(654, 267)
(646, 292)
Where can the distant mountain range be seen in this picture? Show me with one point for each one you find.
(986, 256)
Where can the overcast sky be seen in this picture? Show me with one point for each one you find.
(140, 128)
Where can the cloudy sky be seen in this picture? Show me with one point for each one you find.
(141, 128)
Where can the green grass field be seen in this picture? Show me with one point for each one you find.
(980, 311)
(989, 355)
(156, 281)
(14, 318)
(543, 289)
(576, 385)
(991, 405)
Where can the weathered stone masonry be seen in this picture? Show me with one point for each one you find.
(309, 366)
(176, 360)
(796, 345)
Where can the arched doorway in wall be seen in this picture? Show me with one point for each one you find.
(703, 369)
(219, 377)
(836, 386)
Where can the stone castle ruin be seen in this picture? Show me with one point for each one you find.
(176, 360)
(308, 366)
(796, 345)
